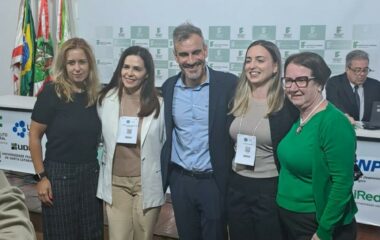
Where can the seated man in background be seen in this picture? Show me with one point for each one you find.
(14, 215)
(353, 92)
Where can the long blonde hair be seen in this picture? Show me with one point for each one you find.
(275, 95)
(63, 86)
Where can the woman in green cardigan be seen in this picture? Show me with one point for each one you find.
(315, 185)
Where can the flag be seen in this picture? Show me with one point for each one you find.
(17, 51)
(63, 23)
(23, 53)
(44, 49)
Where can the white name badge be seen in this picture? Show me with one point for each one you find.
(128, 127)
(245, 150)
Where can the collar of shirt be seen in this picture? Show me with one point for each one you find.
(361, 97)
(353, 86)
(180, 83)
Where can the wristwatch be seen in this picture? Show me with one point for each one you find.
(38, 177)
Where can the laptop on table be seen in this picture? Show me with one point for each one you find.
(374, 121)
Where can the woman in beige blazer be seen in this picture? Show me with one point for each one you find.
(133, 132)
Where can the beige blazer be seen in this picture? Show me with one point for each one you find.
(14, 215)
(152, 139)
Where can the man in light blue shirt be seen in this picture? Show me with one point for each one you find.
(190, 108)
(197, 155)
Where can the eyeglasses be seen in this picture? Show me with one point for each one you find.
(300, 82)
(357, 71)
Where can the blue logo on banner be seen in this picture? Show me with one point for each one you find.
(368, 165)
(20, 128)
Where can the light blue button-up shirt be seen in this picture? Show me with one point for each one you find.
(190, 135)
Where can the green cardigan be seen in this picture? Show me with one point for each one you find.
(317, 170)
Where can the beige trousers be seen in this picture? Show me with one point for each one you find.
(126, 218)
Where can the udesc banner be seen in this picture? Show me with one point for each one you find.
(14, 141)
(367, 189)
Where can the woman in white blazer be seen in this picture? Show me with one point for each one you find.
(132, 119)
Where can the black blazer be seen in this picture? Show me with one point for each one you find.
(222, 88)
(280, 123)
(339, 92)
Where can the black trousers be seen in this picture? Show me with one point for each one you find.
(302, 226)
(198, 207)
(252, 209)
(76, 214)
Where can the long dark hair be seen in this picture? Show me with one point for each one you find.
(148, 95)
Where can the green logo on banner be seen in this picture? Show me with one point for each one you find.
(121, 33)
(158, 55)
(122, 43)
(160, 64)
(241, 33)
(159, 74)
(288, 44)
(338, 44)
(219, 55)
(264, 32)
(362, 195)
(338, 32)
(337, 59)
(236, 67)
(140, 32)
(288, 32)
(240, 56)
(173, 64)
(313, 32)
(158, 43)
(158, 33)
(239, 44)
(219, 33)
(366, 32)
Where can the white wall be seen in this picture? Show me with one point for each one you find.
(8, 25)
(9, 10)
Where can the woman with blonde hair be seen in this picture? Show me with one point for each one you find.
(67, 179)
(262, 117)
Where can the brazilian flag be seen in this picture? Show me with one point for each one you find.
(27, 52)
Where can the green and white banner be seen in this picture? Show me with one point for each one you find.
(329, 28)
(366, 190)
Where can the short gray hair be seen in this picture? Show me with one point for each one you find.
(356, 54)
(184, 31)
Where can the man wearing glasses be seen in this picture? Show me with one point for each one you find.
(353, 92)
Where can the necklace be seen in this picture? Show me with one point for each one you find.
(303, 122)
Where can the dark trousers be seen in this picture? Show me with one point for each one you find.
(198, 207)
(302, 226)
(76, 214)
(252, 209)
